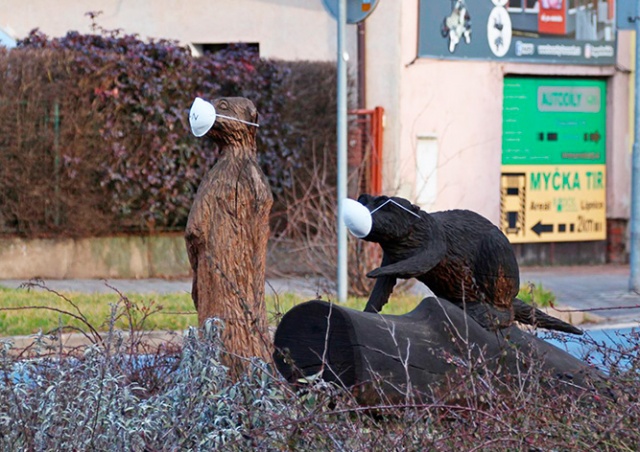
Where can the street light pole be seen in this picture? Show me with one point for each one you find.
(634, 252)
(342, 150)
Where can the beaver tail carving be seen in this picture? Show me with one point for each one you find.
(525, 313)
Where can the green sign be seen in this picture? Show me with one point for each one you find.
(553, 121)
(553, 183)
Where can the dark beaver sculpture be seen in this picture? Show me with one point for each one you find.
(458, 254)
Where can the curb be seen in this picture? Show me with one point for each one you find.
(73, 342)
(573, 316)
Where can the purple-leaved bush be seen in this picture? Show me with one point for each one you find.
(95, 136)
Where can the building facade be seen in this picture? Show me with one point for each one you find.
(520, 110)
(451, 112)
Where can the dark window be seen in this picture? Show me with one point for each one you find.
(203, 48)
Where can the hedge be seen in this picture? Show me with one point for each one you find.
(94, 134)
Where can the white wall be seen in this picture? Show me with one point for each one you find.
(459, 103)
(620, 130)
(286, 29)
(383, 82)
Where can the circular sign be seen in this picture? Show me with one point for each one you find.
(499, 31)
(357, 10)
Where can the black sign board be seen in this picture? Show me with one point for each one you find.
(533, 31)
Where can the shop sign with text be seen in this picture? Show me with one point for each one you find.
(553, 184)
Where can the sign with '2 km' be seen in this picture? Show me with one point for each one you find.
(553, 160)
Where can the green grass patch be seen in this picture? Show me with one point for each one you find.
(536, 294)
(399, 304)
(24, 312)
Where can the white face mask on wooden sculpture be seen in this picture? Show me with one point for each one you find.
(359, 220)
(203, 115)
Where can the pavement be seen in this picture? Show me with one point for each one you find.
(599, 291)
(308, 287)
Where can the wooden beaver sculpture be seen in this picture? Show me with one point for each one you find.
(228, 230)
(460, 255)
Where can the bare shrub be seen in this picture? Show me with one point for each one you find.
(100, 400)
(116, 395)
(49, 146)
(307, 234)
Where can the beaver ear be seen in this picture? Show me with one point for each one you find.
(408, 205)
(365, 199)
(252, 113)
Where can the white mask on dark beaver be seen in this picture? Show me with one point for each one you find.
(203, 115)
(359, 220)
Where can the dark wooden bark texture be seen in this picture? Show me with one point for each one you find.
(356, 349)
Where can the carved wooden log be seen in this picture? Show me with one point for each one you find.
(227, 236)
(377, 355)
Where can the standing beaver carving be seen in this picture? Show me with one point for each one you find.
(460, 255)
(228, 229)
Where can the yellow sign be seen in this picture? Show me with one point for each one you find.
(553, 203)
